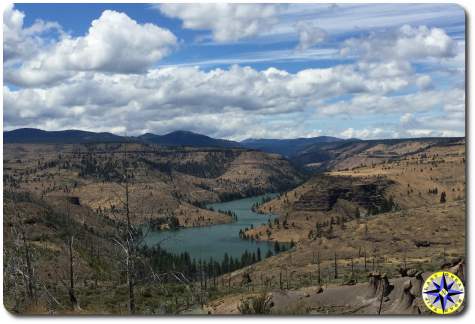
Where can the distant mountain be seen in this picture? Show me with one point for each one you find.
(38, 136)
(185, 138)
(286, 147)
(177, 138)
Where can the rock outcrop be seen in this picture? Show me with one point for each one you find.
(368, 194)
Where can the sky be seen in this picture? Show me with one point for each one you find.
(237, 71)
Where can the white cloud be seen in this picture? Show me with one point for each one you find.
(435, 125)
(309, 35)
(170, 92)
(424, 82)
(230, 103)
(20, 43)
(406, 43)
(114, 43)
(227, 22)
(106, 79)
(428, 113)
(407, 118)
(368, 133)
(411, 126)
(423, 101)
(345, 19)
(264, 56)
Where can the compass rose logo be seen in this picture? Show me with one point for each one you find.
(443, 292)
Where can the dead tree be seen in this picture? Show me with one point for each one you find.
(19, 273)
(129, 238)
(365, 260)
(28, 267)
(72, 295)
(127, 241)
(70, 232)
(335, 266)
(352, 269)
(130, 249)
(281, 287)
(319, 269)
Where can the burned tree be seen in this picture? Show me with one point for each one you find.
(19, 272)
(127, 236)
(70, 241)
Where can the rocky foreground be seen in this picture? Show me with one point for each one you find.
(380, 295)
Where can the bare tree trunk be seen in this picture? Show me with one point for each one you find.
(405, 258)
(130, 268)
(130, 249)
(319, 272)
(352, 269)
(29, 270)
(287, 277)
(19, 266)
(72, 295)
(130, 285)
(336, 266)
(365, 260)
(280, 280)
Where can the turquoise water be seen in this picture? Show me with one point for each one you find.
(216, 240)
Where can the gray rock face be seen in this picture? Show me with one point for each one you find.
(368, 194)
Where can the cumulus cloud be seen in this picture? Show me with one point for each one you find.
(407, 119)
(368, 133)
(113, 43)
(439, 125)
(20, 43)
(167, 99)
(406, 43)
(426, 113)
(424, 82)
(432, 125)
(309, 35)
(423, 101)
(105, 80)
(164, 94)
(227, 22)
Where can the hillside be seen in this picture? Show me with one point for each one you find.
(401, 218)
(413, 176)
(354, 153)
(287, 147)
(384, 214)
(170, 182)
(319, 275)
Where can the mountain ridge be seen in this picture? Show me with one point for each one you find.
(186, 138)
(285, 147)
(301, 151)
(72, 136)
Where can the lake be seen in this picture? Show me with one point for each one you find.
(216, 240)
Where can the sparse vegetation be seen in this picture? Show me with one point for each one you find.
(66, 226)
